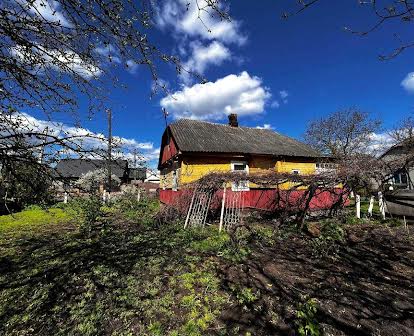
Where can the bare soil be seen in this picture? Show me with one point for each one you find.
(366, 288)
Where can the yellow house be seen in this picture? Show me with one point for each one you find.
(191, 149)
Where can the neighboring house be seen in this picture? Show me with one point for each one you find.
(70, 170)
(137, 175)
(400, 197)
(403, 178)
(152, 176)
(191, 149)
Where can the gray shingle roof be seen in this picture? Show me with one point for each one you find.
(75, 168)
(201, 136)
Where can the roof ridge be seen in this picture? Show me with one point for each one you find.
(220, 124)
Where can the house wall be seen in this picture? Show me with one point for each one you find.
(190, 169)
(166, 175)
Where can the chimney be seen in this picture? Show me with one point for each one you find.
(233, 120)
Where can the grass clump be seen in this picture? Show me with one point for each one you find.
(331, 235)
(34, 217)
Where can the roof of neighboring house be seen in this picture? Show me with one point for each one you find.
(75, 168)
(141, 173)
(201, 136)
(401, 148)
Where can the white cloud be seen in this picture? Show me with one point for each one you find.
(87, 139)
(66, 61)
(202, 56)
(185, 17)
(283, 95)
(242, 94)
(408, 82)
(132, 67)
(265, 126)
(48, 10)
(380, 142)
(275, 104)
(109, 53)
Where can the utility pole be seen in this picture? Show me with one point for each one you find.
(109, 160)
(135, 165)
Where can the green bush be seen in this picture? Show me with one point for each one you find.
(87, 209)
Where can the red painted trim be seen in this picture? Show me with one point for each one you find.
(263, 199)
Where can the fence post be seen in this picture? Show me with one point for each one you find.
(381, 204)
(358, 206)
(371, 206)
(223, 203)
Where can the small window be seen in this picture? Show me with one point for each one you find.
(295, 172)
(318, 165)
(240, 166)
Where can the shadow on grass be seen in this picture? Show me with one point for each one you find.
(63, 282)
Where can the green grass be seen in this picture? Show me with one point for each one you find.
(30, 218)
(132, 278)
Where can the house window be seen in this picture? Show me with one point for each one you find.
(240, 166)
(401, 179)
(295, 171)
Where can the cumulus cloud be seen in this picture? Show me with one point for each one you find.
(379, 143)
(86, 138)
(202, 56)
(283, 95)
(408, 82)
(58, 60)
(48, 10)
(275, 104)
(132, 67)
(109, 53)
(186, 18)
(242, 94)
(265, 126)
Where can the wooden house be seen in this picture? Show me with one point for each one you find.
(69, 171)
(400, 196)
(191, 149)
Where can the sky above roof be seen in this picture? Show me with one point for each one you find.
(274, 73)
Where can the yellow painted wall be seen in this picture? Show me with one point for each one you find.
(190, 169)
(305, 168)
(194, 168)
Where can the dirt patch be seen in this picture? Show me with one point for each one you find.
(366, 288)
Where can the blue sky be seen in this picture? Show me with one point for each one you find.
(271, 71)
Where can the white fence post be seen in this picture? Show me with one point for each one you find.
(381, 204)
(358, 206)
(223, 204)
(371, 206)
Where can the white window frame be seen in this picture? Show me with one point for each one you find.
(234, 186)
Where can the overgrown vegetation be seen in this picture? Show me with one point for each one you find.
(85, 268)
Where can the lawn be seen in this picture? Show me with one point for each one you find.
(131, 275)
(30, 218)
